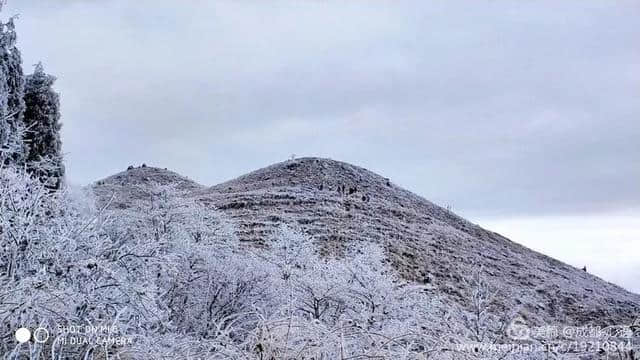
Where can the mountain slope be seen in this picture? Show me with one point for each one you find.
(340, 205)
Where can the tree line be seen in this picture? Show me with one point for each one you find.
(29, 114)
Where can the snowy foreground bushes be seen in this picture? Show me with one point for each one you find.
(167, 280)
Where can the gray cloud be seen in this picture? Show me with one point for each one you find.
(496, 107)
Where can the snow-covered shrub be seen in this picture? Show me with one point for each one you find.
(351, 306)
(57, 268)
(317, 284)
(208, 286)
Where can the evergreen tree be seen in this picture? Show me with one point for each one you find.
(12, 104)
(42, 119)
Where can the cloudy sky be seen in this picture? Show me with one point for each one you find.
(523, 115)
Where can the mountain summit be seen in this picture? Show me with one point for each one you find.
(341, 206)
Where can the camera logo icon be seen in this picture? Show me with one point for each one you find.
(518, 329)
(40, 335)
(23, 335)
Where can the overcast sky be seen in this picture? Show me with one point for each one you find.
(523, 115)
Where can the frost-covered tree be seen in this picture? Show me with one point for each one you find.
(42, 119)
(318, 283)
(11, 96)
(352, 306)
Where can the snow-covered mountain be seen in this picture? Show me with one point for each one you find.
(342, 206)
